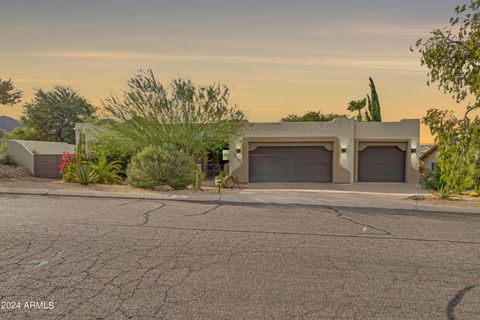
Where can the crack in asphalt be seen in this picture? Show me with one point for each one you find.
(205, 212)
(455, 301)
(281, 233)
(146, 214)
(341, 216)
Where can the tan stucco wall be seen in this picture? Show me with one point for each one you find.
(22, 155)
(339, 132)
(430, 159)
(342, 133)
(46, 147)
(24, 150)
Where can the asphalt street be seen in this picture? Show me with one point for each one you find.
(85, 258)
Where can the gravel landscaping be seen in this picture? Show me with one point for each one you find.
(40, 183)
(15, 171)
(460, 201)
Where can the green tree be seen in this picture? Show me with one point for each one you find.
(374, 111)
(357, 106)
(8, 94)
(313, 116)
(24, 133)
(458, 141)
(194, 118)
(452, 55)
(371, 102)
(53, 114)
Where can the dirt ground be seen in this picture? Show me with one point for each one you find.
(52, 184)
(460, 201)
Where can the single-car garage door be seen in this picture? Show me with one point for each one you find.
(290, 164)
(381, 164)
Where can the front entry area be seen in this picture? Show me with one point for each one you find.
(290, 164)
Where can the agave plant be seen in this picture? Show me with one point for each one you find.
(444, 193)
(9, 160)
(108, 172)
(85, 175)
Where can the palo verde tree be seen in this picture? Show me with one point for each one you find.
(52, 115)
(8, 94)
(195, 119)
(452, 55)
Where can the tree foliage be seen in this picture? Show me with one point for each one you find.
(194, 118)
(371, 102)
(357, 106)
(452, 55)
(53, 114)
(8, 94)
(458, 141)
(313, 116)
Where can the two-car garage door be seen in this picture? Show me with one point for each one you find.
(290, 164)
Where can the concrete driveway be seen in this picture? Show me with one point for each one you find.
(145, 259)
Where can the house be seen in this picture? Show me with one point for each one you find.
(429, 157)
(340, 151)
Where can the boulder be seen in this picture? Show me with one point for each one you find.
(164, 188)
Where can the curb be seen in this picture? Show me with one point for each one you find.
(246, 191)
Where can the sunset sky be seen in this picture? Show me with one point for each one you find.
(279, 57)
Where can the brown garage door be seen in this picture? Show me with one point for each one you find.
(381, 164)
(290, 164)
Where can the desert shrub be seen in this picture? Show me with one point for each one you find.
(85, 175)
(114, 147)
(9, 160)
(430, 179)
(4, 136)
(161, 165)
(108, 171)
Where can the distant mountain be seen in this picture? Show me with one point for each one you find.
(8, 124)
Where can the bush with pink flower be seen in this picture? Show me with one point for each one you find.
(68, 165)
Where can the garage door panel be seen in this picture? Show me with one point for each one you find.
(290, 164)
(381, 164)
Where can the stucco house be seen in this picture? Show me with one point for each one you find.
(340, 151)
(429, 157)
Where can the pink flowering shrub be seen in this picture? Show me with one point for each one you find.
(67, 166)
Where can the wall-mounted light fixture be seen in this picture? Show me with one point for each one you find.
(413, 150)
(344, 150)
(239, 150)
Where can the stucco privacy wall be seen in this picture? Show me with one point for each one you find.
(342, 133)
(46, 147)
(22, 154)
(24, 151)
